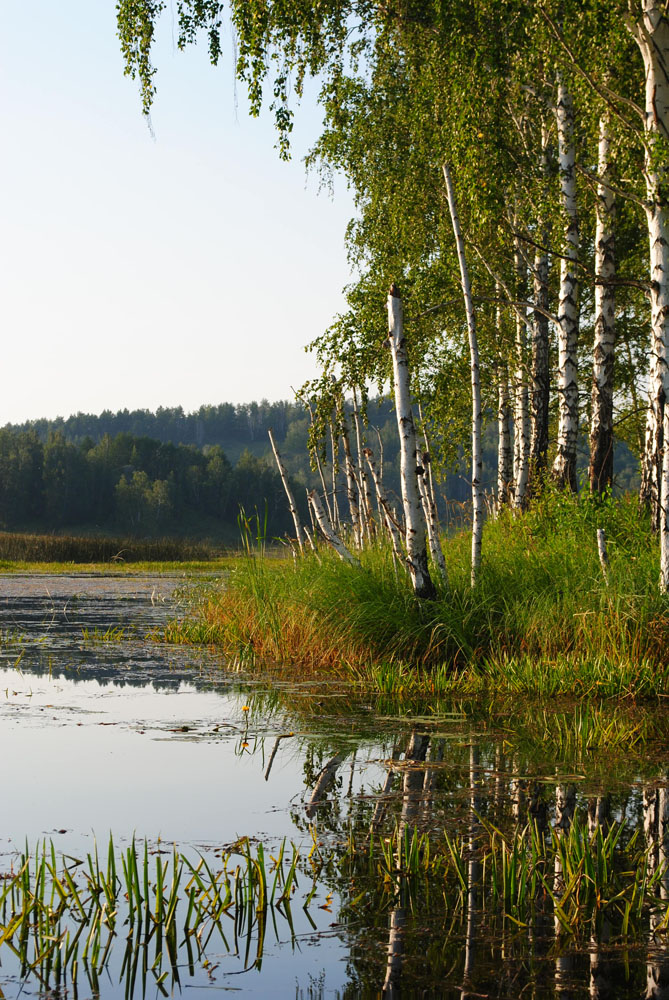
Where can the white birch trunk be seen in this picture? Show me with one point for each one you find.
(601, 422)
(328, 532)
(427, 465)
(413, 509)
(521, 413)
(365, 492)
(504, 449)
(651, 33)
(334, 447)
(477, 456)
(351, 481)
(540, 393)
(564, 467)
(432, 523)
(289, 493)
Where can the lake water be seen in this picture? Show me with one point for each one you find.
(103, 730)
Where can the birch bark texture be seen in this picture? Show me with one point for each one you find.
(564, 466)
(521, 413)
(477, 454)
(651, 32)
(601, 421)
(415, 528)
(540, 382)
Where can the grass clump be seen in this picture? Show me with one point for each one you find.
(542, 618)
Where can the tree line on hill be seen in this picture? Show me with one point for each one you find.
(136, 485)
(167, 472)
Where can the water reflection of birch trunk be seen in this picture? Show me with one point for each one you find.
(656, 830)
(601, 987)
(472, 870)
(565, 806)
(412, 794)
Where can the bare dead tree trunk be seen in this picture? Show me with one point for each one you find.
(351, 480)
(289, 493)
(385, 508)
(365, 492)
(334, 447)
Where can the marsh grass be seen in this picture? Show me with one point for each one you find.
(63, 918)
(542, 619)
(26, 548)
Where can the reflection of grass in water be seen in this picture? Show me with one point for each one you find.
(579, 877)
(64, 917)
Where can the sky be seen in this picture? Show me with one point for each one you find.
(185, 268)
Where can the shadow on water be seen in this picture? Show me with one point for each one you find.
(290, 837)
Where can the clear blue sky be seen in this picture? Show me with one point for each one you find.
(190, 268)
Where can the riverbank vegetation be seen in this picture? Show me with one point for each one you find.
(543, 618)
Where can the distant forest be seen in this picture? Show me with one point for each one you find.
(175, 473)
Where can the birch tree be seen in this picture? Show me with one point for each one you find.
(410, 469)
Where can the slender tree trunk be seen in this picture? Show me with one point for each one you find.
(540, 392)
(564, 467)
(540, 396)
(521, 414)
(504, 450)
(427, 465)
(651, 32)
(334, 447)
(432, 523)
(412, 793)
(384, 506)
(351, 480)
(319, 466)
(365, 492)
(413, 509)
(601, 424)
(477, 455)
(289, 493)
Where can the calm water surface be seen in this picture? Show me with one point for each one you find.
(103, 730)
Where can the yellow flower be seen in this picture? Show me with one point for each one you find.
(245, 708)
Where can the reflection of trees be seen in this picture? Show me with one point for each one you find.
(656, 830)
(472, 869)
(412, 795)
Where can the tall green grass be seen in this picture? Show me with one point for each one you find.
(541, 619)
